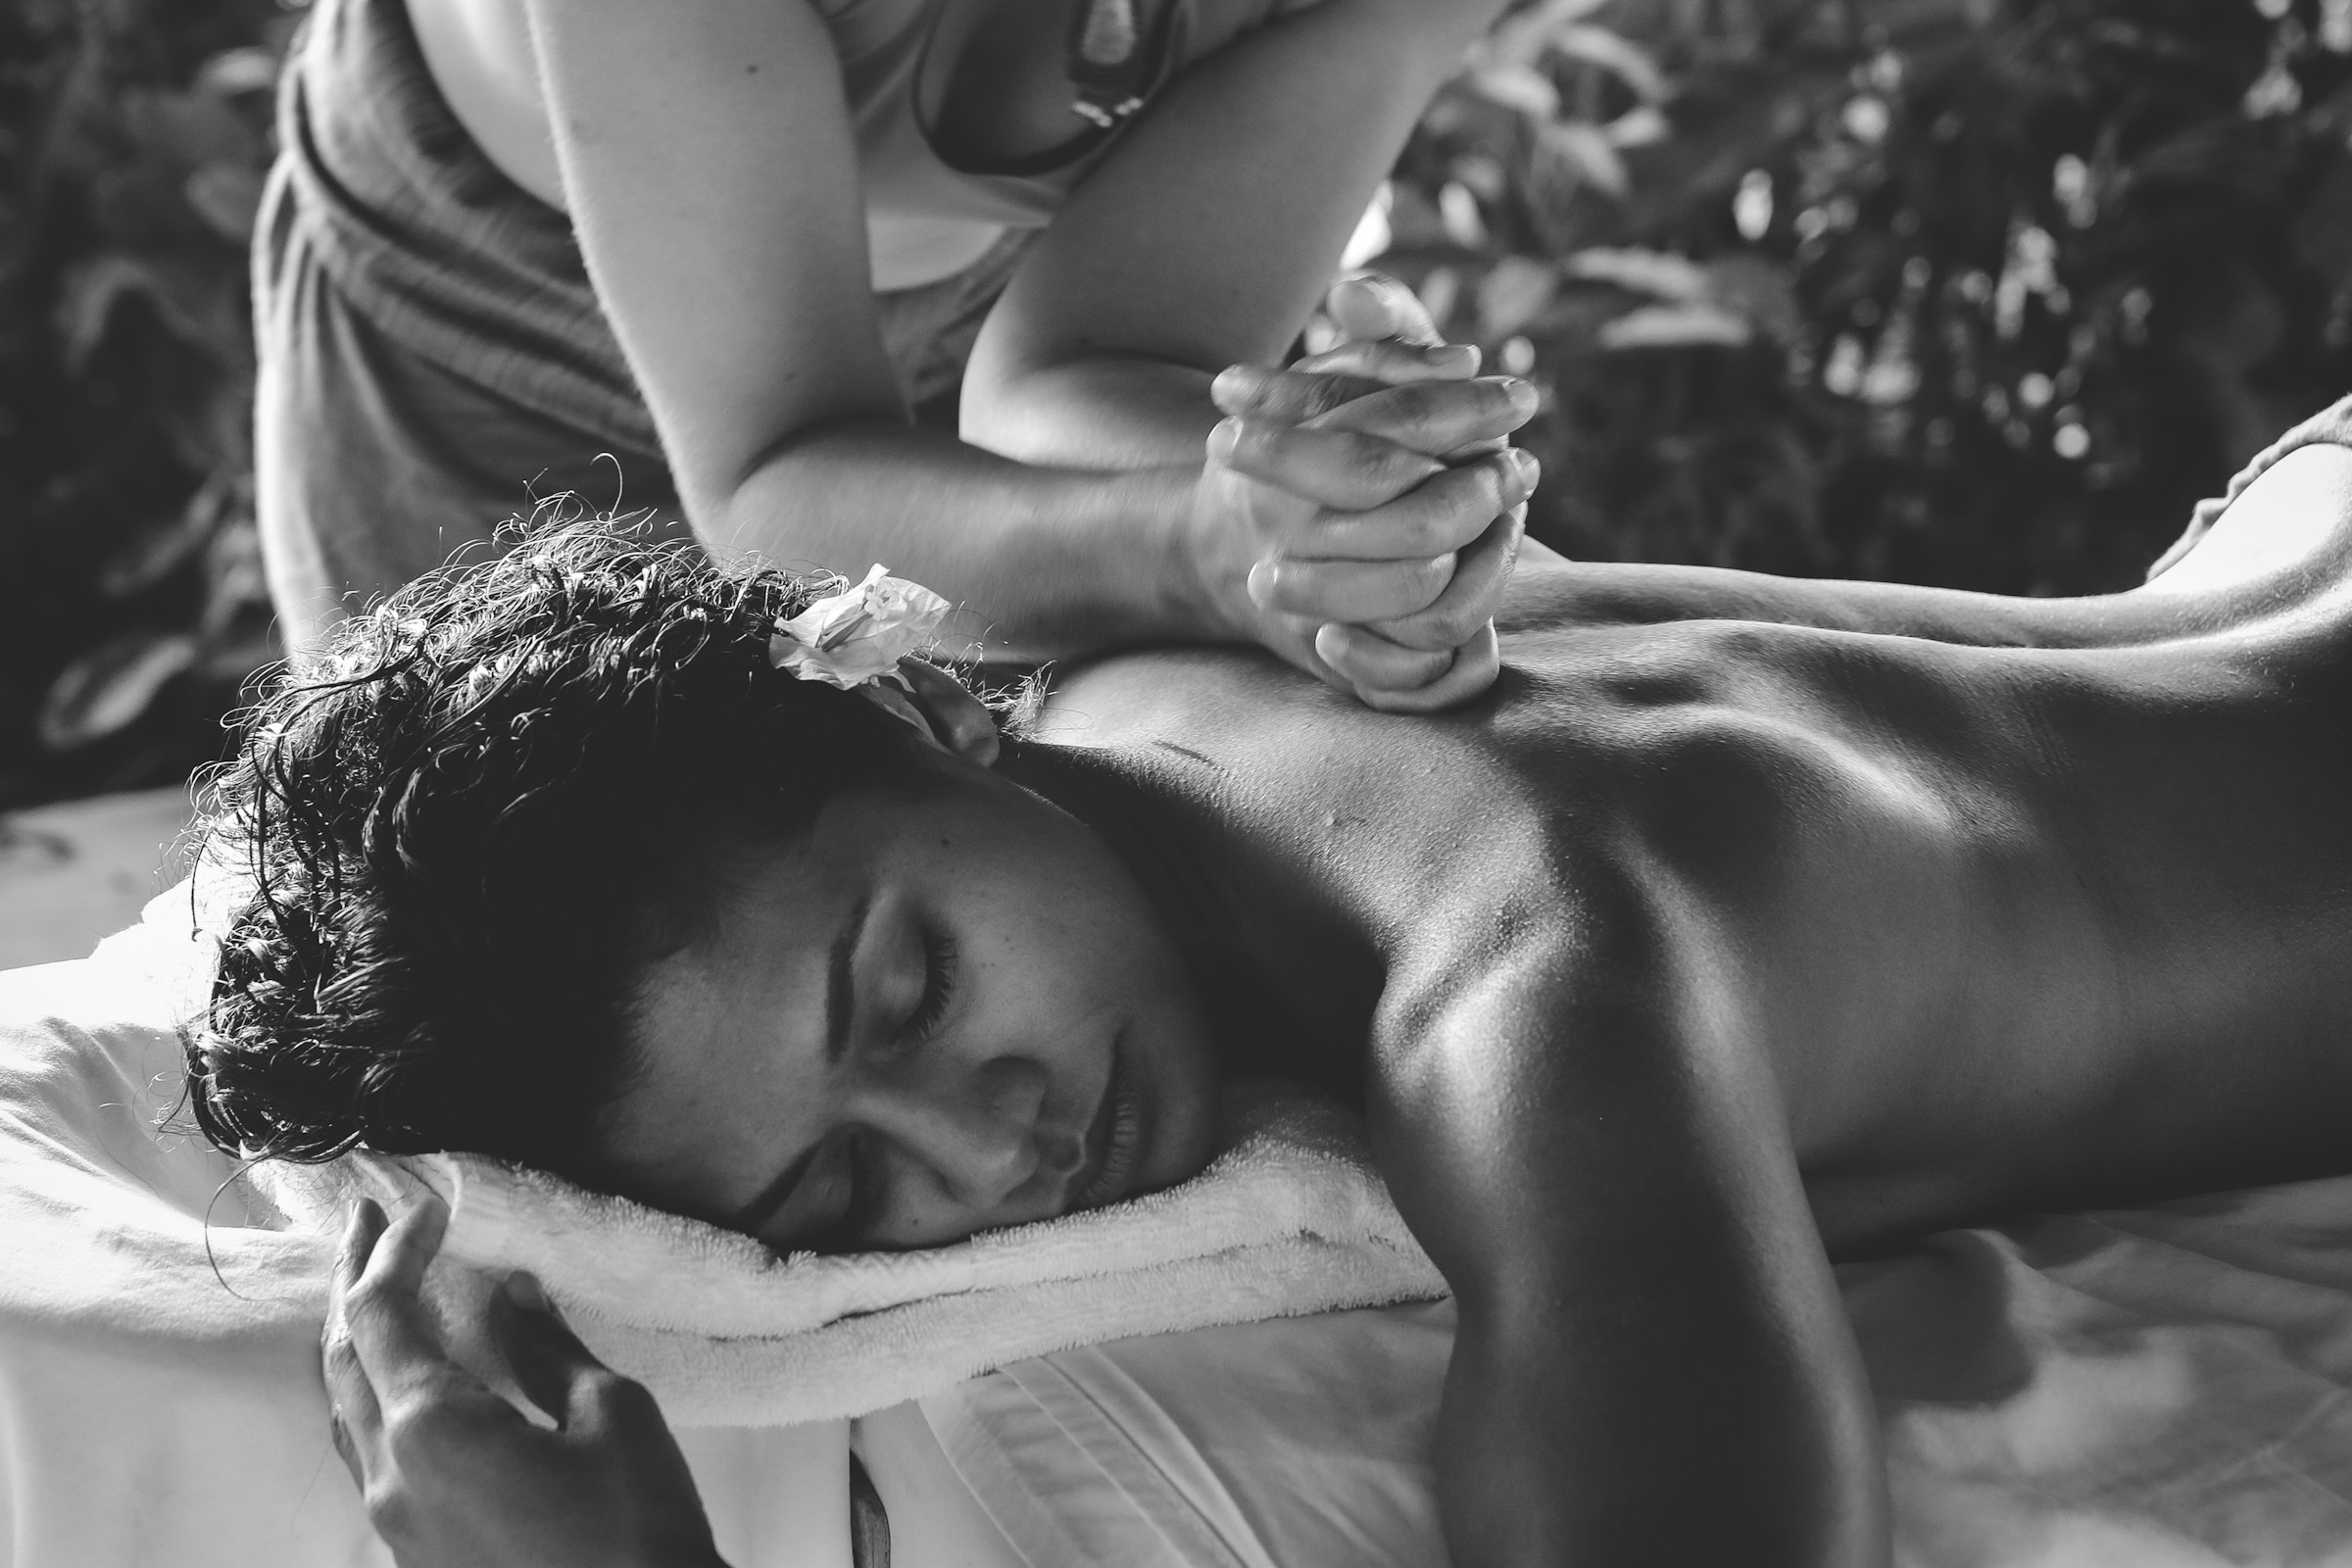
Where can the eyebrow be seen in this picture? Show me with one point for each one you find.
(841, 1009)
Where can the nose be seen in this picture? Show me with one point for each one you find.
(975, 1127)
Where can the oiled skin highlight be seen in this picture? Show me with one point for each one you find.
(1751, 922)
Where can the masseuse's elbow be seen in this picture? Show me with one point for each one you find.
(1060, 405)
(770, 496)
(1024, 406)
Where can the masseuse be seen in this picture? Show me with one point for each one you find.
(715, 257)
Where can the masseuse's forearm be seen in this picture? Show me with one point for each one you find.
(1040, 561)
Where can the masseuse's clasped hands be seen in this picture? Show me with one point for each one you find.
(453, 1474)
(1366, 506)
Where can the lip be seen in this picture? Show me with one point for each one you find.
(1113, 1143)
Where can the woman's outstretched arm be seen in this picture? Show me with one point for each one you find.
(2258, 550)
(1652, 1363)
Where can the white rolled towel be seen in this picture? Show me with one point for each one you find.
(1289, 1219)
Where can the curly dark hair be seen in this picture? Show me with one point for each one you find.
(474, 818)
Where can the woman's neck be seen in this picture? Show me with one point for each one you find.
(1289, 986)
(1193, 890)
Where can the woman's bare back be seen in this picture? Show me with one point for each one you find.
(2028, 903)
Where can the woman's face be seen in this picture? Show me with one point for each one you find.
(948, 1010)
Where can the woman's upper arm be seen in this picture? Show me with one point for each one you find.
(710, 169)
(1206, 236)
(1582, 1139)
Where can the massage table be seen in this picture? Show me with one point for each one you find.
(2156, 1389)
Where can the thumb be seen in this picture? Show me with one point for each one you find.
(1372, 305)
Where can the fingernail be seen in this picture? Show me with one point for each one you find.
(1452, 352)
(525, 1292)
(1529, 470)
(1237, 382)
(1261, 582)
(1223, 439)
(1523, 395)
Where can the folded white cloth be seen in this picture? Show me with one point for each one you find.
(1291, 1219)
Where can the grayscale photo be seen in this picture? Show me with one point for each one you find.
(1175, 783)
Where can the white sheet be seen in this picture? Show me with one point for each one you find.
(2155, 1388)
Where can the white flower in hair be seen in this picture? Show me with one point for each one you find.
(857, 636)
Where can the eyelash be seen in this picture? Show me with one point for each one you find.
(939, 988)
(865, 1179)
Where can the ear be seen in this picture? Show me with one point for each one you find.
(936, 704)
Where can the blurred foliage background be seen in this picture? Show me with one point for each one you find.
(1975, 292)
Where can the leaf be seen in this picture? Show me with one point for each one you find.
(88, 299)
(107, 689)
(1674, 327)
(1518, 88)
(1511, 293)
(1584, 152)
(234, 71)
(1602, 47)
(1669, 277)
(1459, 209)
(1521, 39)
(225, 195)
(1642, 127)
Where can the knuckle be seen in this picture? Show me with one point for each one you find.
(1323, 393)
(366, 1297)
(1417, 411)
(415, 1433)
(1367, 455)
(615, 1396)
(1427, 633)
(388, 1507)
(1454, 628)
(1494, 482)
(1430, 531)
(1395, 700)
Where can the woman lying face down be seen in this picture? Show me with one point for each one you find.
(1746, 922)
(555, 865)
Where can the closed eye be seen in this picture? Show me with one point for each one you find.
(939, 989)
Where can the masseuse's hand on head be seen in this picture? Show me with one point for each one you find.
(455, 1476)
(1382, 505)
